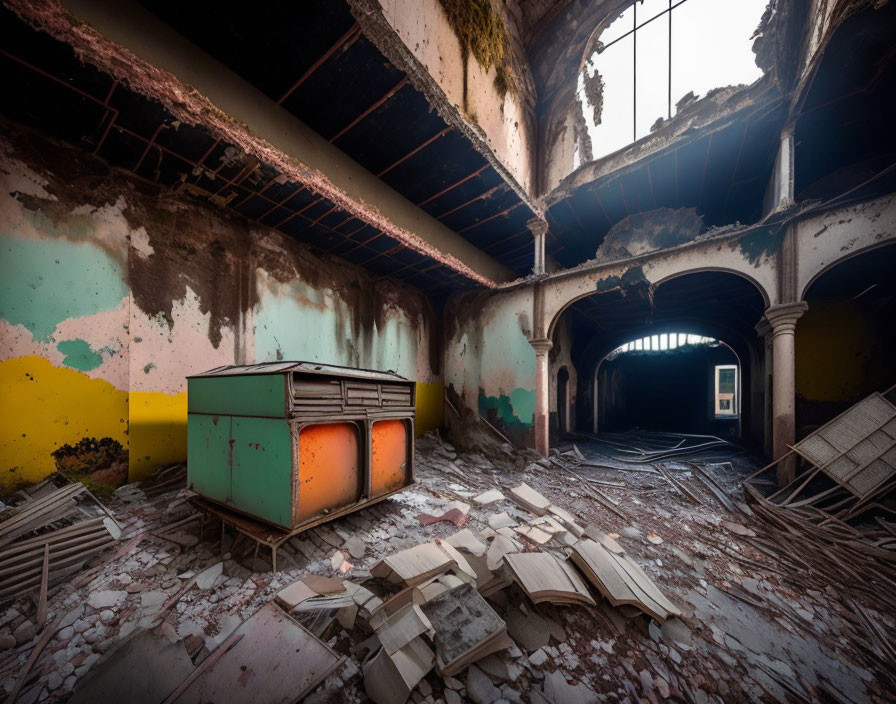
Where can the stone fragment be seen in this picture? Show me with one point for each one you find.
(337, 559)
(538, 658)
(7, 641)
(530, 632)
(452, 697)
(154, 598)
(206, 578)
(453, 683)
(480, 688)
(355, 547)
(676, 632)
(106, 598)
(72, 616)
(25, 632)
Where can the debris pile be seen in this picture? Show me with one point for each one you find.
(583, 576)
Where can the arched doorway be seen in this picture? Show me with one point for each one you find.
(846, 340)
(673, 381)
(722, 306)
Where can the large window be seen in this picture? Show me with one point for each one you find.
(656, 53)
(661, 342)
(726, 390)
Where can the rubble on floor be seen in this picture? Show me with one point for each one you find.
(623, 568)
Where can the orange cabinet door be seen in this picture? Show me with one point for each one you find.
(388, 456)
(329, 468)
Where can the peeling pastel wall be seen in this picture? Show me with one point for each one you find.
(489, 362)
(112, 292)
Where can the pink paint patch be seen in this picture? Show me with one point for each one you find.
(246, 675)
(455, 516)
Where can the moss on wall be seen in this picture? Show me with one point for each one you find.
(482, 34)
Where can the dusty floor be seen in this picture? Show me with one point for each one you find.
(746, 634)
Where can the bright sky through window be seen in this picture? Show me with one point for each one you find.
(664, 341)
(643, 79)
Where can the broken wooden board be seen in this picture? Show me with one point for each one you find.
(39, 512)
(620, 579)
(277, 661)
(466, 629)
(546, 578)
(21, 563)
(144, 669)
(857, 449)
(530, 499)
(389, 679)
(414, 565)
(402, 627)
(293, 595)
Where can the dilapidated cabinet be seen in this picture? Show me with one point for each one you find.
(294, 444)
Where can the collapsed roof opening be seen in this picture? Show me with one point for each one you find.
(656, 58)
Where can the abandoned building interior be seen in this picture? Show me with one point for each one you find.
(519, 351)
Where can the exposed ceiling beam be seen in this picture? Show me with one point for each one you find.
(166, 60)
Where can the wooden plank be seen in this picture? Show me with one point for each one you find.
(35, 558)
(39, 512)
(54, 537)
(44, 578)
(19, 583)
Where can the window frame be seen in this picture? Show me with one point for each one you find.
(734, 411)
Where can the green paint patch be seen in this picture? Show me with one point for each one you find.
(78, 355)
(44, 282)
(514, 411)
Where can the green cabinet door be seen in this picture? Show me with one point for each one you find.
(261, 477)
(208, 456)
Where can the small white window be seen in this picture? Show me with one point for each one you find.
(726, 390)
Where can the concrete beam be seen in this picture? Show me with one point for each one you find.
(236, 111)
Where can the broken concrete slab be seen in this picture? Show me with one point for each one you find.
(145, 668)
(266, 645)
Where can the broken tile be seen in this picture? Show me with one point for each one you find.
(488, 497)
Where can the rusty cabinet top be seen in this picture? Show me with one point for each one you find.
(311, 368)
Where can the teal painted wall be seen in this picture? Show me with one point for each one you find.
(489, 362)
(44, 282)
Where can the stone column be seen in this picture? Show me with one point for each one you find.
(542, 380)
(539, 229)
(764, 330)
(782, 319)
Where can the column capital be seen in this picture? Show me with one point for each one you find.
(541, 346)
(537, 226)
(783, 316)
(763, 328)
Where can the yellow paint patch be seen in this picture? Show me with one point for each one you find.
(158, 431)
(43, 407)
(835, 360)
(430, 406)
